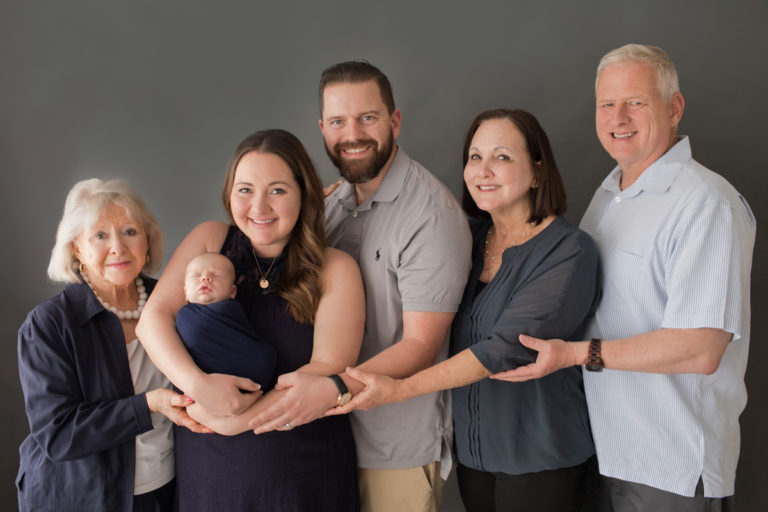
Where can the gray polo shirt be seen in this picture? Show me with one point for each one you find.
(413, 245)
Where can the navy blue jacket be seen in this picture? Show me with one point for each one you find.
(82, 410)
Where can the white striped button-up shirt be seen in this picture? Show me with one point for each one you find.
(676, 250)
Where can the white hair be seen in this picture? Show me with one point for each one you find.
(666, 74)
(82, 208)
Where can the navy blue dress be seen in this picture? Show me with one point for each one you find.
(310, 468)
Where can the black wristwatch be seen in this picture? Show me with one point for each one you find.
(344, 394)
(594, 361)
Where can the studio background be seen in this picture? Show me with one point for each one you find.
(160, 93)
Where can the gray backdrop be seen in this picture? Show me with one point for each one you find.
(160, 93)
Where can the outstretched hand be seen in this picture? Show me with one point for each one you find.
(554, 355)
(378, 390)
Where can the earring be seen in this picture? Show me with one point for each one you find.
(81, 268)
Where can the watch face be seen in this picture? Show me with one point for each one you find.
(343, 399)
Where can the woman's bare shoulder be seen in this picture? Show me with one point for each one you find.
(210, 234)
(339, 261)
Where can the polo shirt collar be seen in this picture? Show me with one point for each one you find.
(658, 177)
(392, 183)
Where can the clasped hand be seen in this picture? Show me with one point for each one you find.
(552, 355)
(297, 398)
(225, 395)
(377, 390)
(173, 406)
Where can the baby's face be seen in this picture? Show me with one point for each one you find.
(210, 278)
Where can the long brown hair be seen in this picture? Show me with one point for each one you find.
(548, 197)
(300, 285)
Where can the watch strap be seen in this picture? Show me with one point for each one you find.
(339, 384)
(594, 358)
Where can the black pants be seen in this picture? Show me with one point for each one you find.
(546, 491)
(159, 500)
(623, 496)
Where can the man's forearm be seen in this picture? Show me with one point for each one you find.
(667, 351)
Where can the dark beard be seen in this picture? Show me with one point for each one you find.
(365, 170)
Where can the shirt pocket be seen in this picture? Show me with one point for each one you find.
(625, 279)
(621, 263)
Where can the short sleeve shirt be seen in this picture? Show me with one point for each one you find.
(676, 250)
(413, 245)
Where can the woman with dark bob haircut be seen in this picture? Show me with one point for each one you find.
(301, 297)
(521, 446)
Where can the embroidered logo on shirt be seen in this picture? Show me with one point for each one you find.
(378, 254)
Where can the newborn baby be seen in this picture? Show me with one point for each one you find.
(213, 325)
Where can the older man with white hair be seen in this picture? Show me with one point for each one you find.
(676, 244)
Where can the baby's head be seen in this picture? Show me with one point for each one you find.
(210, 277)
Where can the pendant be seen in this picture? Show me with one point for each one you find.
(264, 283)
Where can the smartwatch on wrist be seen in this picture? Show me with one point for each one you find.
(594, 360)
(344, 394)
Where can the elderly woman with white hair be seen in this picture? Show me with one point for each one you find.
(100, 436)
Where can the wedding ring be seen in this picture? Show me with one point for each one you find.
(288, 426)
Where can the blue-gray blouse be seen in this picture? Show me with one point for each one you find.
(547, 287)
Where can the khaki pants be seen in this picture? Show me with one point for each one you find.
(403, 490)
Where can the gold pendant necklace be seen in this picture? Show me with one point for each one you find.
(263, 281)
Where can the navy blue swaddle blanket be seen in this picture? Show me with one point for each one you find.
(220, 339)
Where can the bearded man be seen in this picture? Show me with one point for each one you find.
(412, 242)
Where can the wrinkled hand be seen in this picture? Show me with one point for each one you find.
(378, 390)
(220, 394)
(553, 355)
(330, 188)
(173, 406)
(298, 398)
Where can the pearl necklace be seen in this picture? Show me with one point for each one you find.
(122, 315)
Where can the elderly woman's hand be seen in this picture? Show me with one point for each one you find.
(173, 405)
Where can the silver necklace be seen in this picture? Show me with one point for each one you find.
(492, 232)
